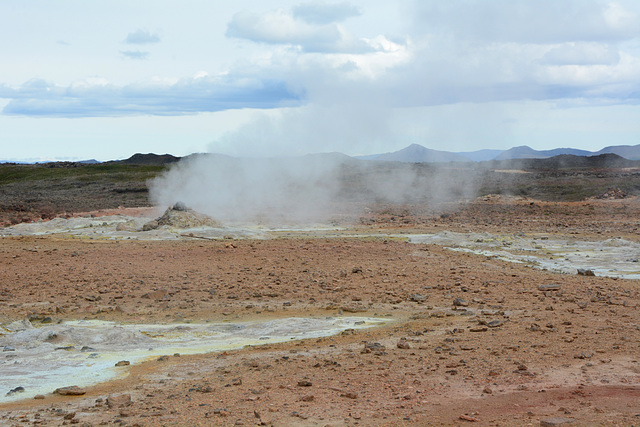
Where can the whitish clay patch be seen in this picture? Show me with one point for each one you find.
(610, 257)
(123, 227)
(84, 353)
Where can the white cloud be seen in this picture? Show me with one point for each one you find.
(580, 53)
(98, 98)
(321, 13)
(134, 54)
(142, 36)
(281, 27)
(525, 21)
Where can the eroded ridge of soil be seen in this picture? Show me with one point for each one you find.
(472, 339)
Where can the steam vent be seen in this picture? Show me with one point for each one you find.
(180, 216)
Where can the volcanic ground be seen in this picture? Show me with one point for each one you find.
(464, 337)
(469, 338)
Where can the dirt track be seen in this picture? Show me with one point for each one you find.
(509, 351)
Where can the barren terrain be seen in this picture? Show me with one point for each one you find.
(470, 339)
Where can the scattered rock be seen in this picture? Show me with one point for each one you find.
(556, 421)
(349, 395)
(123, 363)
(583, 355)
(156, 295)
(39, 396)
(354, 308)
(459, 302)
(612, 193)
(403, 344)
(307, 398)
(373, 346)
(494, 324)
(468, 418)
(585, 272)
(119, 401)
(304, 383)
(549, 287)
(72, 390)
(417, 298)
(151, 225)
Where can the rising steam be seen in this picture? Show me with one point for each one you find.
(311, 188)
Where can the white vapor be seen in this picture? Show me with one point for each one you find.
(312, 188)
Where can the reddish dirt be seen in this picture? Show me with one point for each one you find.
(569, 353)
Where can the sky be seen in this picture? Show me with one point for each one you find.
(105, 79)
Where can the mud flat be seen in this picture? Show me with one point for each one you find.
(88, 352)
(471, 337)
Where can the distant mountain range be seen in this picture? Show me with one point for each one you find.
(418, 154)
(415, 153)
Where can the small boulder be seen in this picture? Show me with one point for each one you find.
(459, 302)
(119, 401)
(72, 390)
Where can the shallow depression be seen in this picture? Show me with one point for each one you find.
(83, 353)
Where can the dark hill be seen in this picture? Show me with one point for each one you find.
(566, 161)
(149, 159)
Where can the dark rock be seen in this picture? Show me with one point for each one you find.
(585, 272)
(123, 363)
(556, 421)
(459, 302)
(15, 390)
(374, 346)
(549, 287)
(304, 383)
(403, 344)
(179, 206)
(417, 298)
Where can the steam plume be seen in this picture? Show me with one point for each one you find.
(302, 189)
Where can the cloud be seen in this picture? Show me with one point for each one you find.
(582, 54)
(281, 27)
(524, 21)
(322, 13)
(141, 36)
(134, 54)
(99, 98)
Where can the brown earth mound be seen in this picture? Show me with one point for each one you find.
(179, 216)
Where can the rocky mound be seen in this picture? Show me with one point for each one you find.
(612, 193)
(180, 216)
